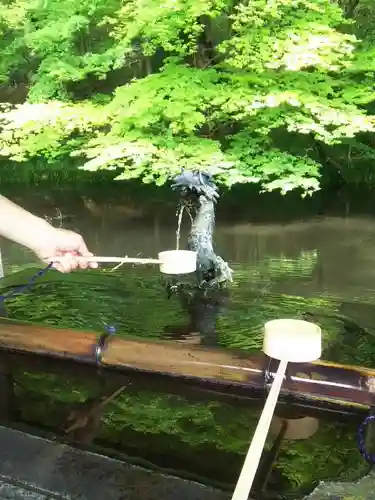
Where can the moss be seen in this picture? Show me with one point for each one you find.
(204, 436)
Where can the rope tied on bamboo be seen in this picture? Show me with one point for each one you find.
(109, 330)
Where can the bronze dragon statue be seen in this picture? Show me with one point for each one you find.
(206, 298)
(198, 195)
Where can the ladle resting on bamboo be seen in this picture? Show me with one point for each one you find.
(288, 340)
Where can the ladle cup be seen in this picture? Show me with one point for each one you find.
(288, 340)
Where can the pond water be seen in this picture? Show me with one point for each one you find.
(290, 258)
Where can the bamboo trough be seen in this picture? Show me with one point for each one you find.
(232, 373)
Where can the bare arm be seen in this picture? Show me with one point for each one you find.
(21, 226)
(42, 238)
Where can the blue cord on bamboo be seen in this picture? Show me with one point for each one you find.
(361, 438)
(103, 339)
(22, 288)
(102, 343)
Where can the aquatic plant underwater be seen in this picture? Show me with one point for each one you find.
(198, 311)
(231, 432)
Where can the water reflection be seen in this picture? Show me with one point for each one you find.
(203, 308)
(307, 258)
(320, 269)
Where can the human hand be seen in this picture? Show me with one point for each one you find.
(67, 244)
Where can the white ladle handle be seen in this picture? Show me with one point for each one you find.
(250, 466)
(113, 260)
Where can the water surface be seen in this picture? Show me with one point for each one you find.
(284, 265)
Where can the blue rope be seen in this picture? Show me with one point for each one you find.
(361, 438)
(102, 342)
(22, 288)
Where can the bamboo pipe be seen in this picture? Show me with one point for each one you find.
(225, 370)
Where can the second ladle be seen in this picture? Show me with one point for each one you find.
(289, 340)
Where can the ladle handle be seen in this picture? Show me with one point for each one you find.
(250, 466)
(112, 260)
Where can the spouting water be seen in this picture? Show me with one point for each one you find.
(178, 232)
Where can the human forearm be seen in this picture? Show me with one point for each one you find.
(42, 238)
(21, 226)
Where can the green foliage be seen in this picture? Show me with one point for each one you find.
(60, 42)
(244, 91)
(63, 173)
(172, 26)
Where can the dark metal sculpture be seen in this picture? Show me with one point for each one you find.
(206, 298)
(199, 195)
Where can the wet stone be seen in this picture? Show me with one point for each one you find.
(12, 492)
(61, 471)
(362, 489)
